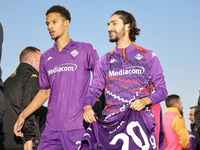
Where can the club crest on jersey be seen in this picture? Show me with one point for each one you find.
(139, 56)
(74, 53)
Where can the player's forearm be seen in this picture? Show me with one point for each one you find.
(36, 103)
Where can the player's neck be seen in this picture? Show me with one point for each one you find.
(123, 43)
(62, 42)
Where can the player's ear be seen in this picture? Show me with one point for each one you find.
(31, 59)
(127, 27)
(176, 105)
(66, 23)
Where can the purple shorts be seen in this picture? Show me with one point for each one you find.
(61, 140)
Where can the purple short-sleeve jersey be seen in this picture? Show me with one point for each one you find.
(67, 74)
(129, 130)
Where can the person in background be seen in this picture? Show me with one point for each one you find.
(197, 114)
(193, 142)
(176, 133)
(196, 127)
(19, 89)
(65, 73)
(191, 118)
(2, 101)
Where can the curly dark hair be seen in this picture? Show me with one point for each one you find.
(129, 19)
(61, 10)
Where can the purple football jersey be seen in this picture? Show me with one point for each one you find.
(129, 130)
(67, 74)
(127, 81)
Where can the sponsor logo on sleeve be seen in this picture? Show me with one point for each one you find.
(153, 54)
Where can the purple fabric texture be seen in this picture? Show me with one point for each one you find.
(57, 140)
(67, 74)
(162, 134)
(138, 77)
(192, 142)
(128, 130)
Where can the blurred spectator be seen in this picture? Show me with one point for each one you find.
(196, 128)
(191, 117)
(19, 89)
(176, 134)
(2, 101)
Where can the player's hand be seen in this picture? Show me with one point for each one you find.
(140, 104)
(18, 126)
(28, 145)
(88, 114)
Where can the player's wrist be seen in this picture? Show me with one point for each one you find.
(87, 107)
(147, 101)
(22, 116)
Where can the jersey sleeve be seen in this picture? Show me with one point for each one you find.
(157, 78)
(178, 125)
(98, 83)
(92, 57)
(43, 76)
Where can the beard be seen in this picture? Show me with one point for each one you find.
(181, 112)
(115, 39)
(55, 39)
(118, 35)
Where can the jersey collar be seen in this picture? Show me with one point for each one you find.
(128, 49)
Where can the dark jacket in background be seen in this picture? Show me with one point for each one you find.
(19, 90)
(99, 106)
(2, 102)
(195, 128)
